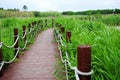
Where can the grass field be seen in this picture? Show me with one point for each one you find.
(104, 40)
(100, 33)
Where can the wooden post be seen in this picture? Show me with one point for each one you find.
(84, 61)
(62, 29)
(41, 24)
(81, 18)
(85, 18)
(59, 25)
(24, 31)
(38, 25)
(32, 23)
(29, 27)
(46, 23)
(89, 18)
(0, 49)
(0, 53)
(1, 72)
(56, 24)
(35, 23)
(68, 36)
(52, 22)
(15, 37)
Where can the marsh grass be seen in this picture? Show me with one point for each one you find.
(104, 41)
(7, 26)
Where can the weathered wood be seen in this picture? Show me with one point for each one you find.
(52, 22)
(62, 29)
(68, 36)
(84, 61)
(24, 31)
(1, 72)
(15, 37)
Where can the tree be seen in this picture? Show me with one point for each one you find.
(25, 8)
(1, 9)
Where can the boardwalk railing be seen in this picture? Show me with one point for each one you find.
(83, 70)
(27, 37)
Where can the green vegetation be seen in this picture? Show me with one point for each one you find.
(104, 39)
(105, 43)
(47, 14)
(112, 20)
(10, 13)
(7, 26)
(92, 12)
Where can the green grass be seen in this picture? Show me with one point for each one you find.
(103, 39)
(113, 20)
(7, 26)
(105, 43)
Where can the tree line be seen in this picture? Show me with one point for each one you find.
(92, 12)
(15, 9)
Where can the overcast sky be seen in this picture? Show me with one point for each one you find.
(60, 5)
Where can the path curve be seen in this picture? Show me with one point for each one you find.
(37, 63)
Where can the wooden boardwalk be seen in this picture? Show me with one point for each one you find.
(37, 63)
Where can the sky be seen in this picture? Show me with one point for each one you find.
(60, 5)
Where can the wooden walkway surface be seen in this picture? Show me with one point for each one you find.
(37, 63)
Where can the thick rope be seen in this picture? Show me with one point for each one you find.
(24, 46)
(77, 72)
(0, 44)
(18, 49)
(5, 62)
(24, 34)
(12, 46)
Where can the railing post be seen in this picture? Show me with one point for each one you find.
(35, 22)
(89, 18)
(68, 36)
(24, 31)
(32, 24)
(56, 24)
(52, 22)
(15, 37)
(84, 61)
(0, 53)
(38, 25)
(41, 24)
(46, 23)
(1, 72)
(29, 27)
(62, 29)
(0, 48)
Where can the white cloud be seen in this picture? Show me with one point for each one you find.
(61, 5)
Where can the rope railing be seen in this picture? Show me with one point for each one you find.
(24, 34)
(24, 45)
(31, 33)
(12, 46)
(66, 61)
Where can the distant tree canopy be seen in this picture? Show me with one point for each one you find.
(15, 9)
(46, 14)
(91, 12)
(25, 7)
(1, 8)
